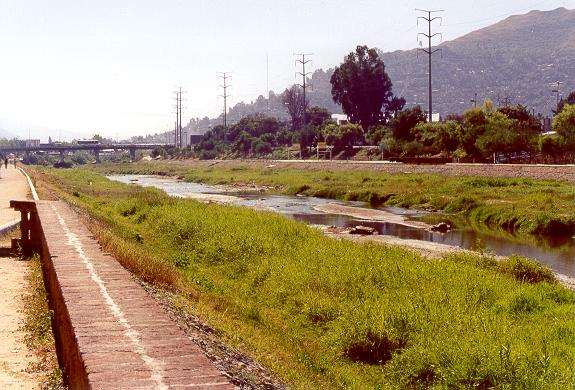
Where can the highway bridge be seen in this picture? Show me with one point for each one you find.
(95, 148)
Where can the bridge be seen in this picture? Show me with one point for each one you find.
(94, 148)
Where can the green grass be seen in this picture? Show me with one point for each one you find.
(324, 313)
(38, 328)
(517, 205)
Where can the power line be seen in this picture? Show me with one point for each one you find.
(225, 76)
(429, 50)
(303, 74)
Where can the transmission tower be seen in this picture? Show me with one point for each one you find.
(225, 76)
(429, 51)
(557, 91)
(178, 124)
(303, 74)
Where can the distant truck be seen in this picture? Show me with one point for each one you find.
(88, 142)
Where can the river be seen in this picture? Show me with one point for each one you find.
(558, 253)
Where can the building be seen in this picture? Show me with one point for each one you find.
(340, 119)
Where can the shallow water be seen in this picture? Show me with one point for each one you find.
(558, 253)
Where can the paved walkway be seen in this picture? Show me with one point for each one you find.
(13, 186)
(15, 358)
(114, 334)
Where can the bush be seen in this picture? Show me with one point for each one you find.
(526, 270)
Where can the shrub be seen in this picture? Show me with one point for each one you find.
(526, 270)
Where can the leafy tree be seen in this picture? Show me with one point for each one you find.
(292, 98)
(551, 147)
(526, 129)
(363, 88)
(498, 135)
(285, 137)
(376, 134)
(438, 137)
(405, 121)
(308, 136)
(317, 116)
(244, 143)
(564, 125)
(261, 147)
(569, 100)
(343, 137)
(475, 123)
(80, 157)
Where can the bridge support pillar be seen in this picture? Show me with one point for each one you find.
(62, 153)
(132, 154)
(97, 155)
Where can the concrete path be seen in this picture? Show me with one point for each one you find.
(112, 333)
(15, 358)
(13, 186)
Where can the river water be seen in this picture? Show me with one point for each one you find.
(558, 253)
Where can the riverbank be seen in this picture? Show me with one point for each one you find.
(328, 313)
(519, 205)
(425, 248)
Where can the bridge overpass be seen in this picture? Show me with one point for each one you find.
(95, 148)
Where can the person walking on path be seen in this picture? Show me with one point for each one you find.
(6, 163)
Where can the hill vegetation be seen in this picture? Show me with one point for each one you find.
(516, 60)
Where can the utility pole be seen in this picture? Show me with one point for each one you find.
(268, 81)
(178, 125)
(225, 76)
(474, 100)
(556, 91)
(429, 50)
(303, 74)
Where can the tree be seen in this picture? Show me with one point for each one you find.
(308, 136)
(569, 100)
(551, 147)
(363, 88)
(564, 125)
(343, 137)
(526, 129)
(317, 116)
(438, 137)
(293, 100)
(475, 122)
(405, 121)
(376, 134)
(498, 135)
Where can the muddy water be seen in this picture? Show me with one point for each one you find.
(558, 253)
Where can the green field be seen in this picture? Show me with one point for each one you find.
(323, 313)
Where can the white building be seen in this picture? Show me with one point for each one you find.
(340, 119)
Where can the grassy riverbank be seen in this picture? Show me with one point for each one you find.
(335, 314)
(517, 205)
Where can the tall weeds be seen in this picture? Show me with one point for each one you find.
(327, 313)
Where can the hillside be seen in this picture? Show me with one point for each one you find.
(516, 59)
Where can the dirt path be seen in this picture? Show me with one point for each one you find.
(13, 186)
(15, 358)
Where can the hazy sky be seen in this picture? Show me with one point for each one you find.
(110, 66)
